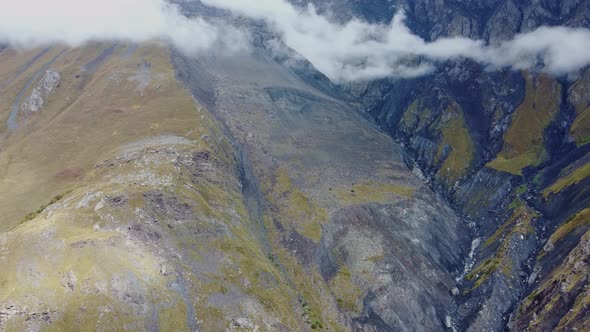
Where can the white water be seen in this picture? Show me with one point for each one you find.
(470, 259)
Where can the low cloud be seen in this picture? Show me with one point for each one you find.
(357, 50)
(26, 23)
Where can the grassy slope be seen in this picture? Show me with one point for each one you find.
(453, 133)
(580, 98)
(569, 176)
(145, 235)
(182, 248)
(52, 149)
(578, 220)
(581, 127)
(560, 302)
(518, 224)
(524, 142)
(456, 135)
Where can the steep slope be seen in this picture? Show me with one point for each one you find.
(141, 189)
(149, 229)
(274, 206)
(345, 215)
(521, 139)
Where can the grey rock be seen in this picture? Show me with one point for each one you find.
(504, 24)
(45, 88)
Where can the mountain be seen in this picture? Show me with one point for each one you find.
(144, 189)
(507, 149)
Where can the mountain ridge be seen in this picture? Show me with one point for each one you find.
(151, 190)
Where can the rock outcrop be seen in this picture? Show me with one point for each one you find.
(155, 191)
(521, 139)
(45, 88)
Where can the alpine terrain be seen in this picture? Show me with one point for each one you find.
(145, 188)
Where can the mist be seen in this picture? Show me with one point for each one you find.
(30, 23)
(344, 52)
(357, 50)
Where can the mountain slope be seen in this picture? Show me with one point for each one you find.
(339, 195)
(274, 206)
(143, 189)
(521, 137)
(150, 225)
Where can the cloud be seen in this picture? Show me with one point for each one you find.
(28, 23)
(350, 51)
(357, 50)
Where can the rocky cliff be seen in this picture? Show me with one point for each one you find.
(141, 189)
(507, 149)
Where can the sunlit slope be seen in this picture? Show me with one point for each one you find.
(157, 237)
(107, 95)
(122, 206)
(127, 206)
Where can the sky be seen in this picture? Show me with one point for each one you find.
(350, 51)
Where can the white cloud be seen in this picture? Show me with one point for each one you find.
(358, 50)
(28, 23)
(355, 50)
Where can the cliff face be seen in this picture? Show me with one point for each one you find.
(141, 189)
(508, 149)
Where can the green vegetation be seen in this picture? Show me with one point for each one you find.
(576, 221)
(519, 223)
(292, 209)
(455, 134)
(42, 208)
(315, 323)
(373, 192)
(481, 273)
(376, 258)
(524, 142)
(347, 293)
(144, 253)
(247, 265)
(580, 129)
(578, 315)
(308, 284)
(521, 189)
(66, 276)
(560, 290)
(303, 215)
(416, 117)
(498, 233)
(570, 178)
(79, 126)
